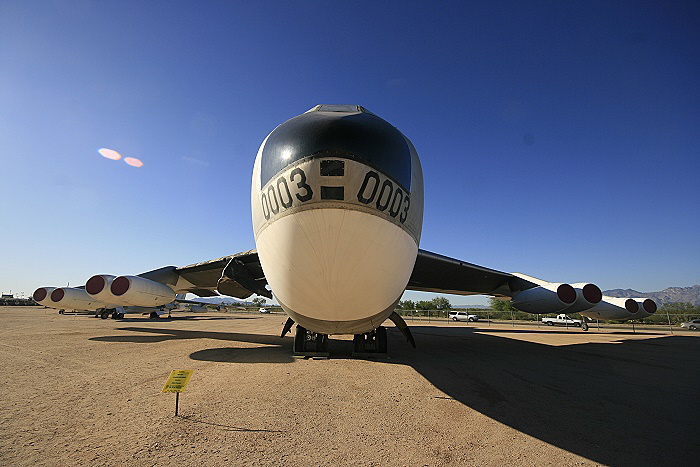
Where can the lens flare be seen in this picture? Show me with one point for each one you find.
(110, 154)
(134, 162)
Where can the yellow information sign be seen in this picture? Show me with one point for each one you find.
(177, 381)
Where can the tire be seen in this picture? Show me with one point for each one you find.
(549, 323)
(584, 326)
(104, 314)
(153, 315)
(321, 342)
(358, 343)
(454, 319)
(692, 327)
(120, 316)
(300, 339)
(381, 340)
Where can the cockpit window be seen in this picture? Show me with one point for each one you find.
(348, 132)
(339, 108)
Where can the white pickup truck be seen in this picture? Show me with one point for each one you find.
(563, 320)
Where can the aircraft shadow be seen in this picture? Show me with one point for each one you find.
(631, 402)
(626, 403)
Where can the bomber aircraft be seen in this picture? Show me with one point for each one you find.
(77, 299)
(337, 211)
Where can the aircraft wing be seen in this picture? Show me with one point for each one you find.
(239, 275)
(442, 274)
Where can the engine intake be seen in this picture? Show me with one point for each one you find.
(42, 295)
(99, 287)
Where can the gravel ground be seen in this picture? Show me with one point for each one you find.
(78, 390)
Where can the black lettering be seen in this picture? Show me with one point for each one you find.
(395, 207)
(286, 204)
(301, 184)
(265, 207)
(271, 194)
(387, 183)
(404, 214)
(361, 194)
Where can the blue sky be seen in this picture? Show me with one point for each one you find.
(558, 139)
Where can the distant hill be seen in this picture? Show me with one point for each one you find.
(669, 295)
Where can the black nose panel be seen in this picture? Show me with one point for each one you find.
(360, 136)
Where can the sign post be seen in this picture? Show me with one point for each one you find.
(177, 382)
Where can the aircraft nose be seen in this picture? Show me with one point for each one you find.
(348, 132)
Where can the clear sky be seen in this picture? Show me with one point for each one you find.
(558, 139)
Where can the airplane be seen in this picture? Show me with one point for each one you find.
(77, 299)
(337, 213)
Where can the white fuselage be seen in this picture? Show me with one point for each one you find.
(337, 250)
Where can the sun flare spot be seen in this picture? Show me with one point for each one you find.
(110, 154)
(134, 162)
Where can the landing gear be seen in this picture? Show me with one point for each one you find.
(117, 315)
(154, 315)
(370, 344)
(310, 344)
(104, 314)
(584, 326)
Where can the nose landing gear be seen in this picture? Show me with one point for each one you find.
(310, 344)
(370, 344)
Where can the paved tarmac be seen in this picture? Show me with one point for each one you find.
(78, 390)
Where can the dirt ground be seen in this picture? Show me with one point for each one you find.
(76, 390)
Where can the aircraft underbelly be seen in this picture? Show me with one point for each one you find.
(336, 264)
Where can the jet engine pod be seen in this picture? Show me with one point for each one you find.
(74, 299)
(547, 298)
(615, 308)
(647, 307)
(137, 291)
(587, 296)
(99, 287)
(42, 295)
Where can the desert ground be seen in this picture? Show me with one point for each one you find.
(76, 390)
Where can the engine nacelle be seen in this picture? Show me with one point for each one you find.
(137, 291)
(99, 287)
(42, 295)
(74, 299)
(621, 308)
(549, 297)
(587, 296)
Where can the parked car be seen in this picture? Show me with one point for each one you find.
(693, 324)
(462, 316)
(563, 320)
(264, 310)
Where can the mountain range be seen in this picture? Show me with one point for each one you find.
(669, 295)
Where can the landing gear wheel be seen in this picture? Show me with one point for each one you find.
(104, 314)
(370, 344)
(381, 340)
(154, 315)
(299, 340)
(115, 315)
(310, 344)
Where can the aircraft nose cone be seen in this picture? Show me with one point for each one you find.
(352, 134)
